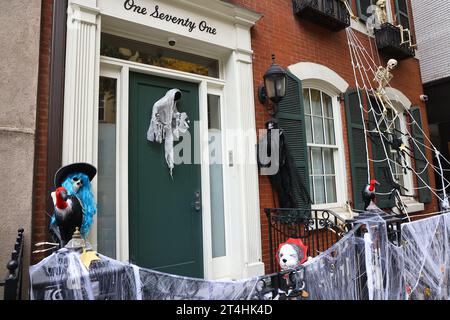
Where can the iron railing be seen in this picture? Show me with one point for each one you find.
(318, 229)
(13, 281)
(331, 14)
(389, 42)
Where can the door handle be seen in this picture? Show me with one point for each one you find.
(198, 201)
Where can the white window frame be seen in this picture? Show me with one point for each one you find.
(338, 154)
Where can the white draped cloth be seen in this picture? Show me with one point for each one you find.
(167, 124)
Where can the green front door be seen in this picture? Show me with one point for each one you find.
(165, 225)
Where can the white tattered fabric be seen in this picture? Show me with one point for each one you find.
(167, 124)
(355, 268)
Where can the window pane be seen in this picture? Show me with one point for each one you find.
(329, 131)
(216, 177)
(331, 189)
(316, 103)
(306, 101)
(327, 106)
(328, 161)
(404, 21)
(317, 160)
(106, 193)
(319, 190)
(402, 6)
(141, 52)
(309, 136)
(318, 130)
(363, 6)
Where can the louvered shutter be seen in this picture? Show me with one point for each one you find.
(291, 119)
(421, 161)
(357, 147)
(381, 168)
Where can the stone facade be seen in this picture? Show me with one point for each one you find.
(19, 51)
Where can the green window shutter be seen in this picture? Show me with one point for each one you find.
(381, 169)
(291, 119)
(357, 147)
(362, 6)
(421, 161)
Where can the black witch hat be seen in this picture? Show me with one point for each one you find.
(81, 167)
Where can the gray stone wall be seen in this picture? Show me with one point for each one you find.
(19, 62)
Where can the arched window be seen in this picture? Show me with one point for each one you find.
(324, 134)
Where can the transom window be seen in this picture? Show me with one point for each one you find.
(322, 148)
(140, 52)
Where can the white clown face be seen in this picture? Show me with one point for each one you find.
(288, 257)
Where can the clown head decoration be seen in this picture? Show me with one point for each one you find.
(291, 254)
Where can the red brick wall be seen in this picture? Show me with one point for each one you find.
(40, 221)
(295, 40)
(292, 40)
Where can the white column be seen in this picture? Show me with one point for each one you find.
(249, 170)
(81, 83)
(80, 131)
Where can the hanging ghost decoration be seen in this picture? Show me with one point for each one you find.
(167, 124)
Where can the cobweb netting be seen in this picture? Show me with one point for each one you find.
(62, 276)
(363, 265)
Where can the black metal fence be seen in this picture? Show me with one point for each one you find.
(318, 229)
(13, 281)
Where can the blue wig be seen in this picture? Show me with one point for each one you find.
(86, 198)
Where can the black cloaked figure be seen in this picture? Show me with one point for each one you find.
(287, 181)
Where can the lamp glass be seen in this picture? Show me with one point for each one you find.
(275, 87)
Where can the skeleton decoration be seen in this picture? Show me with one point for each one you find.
(349, 9)
(406, 39)
(383, 77)
(167, 124)
(380, 12)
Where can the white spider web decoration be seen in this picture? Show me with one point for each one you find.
(365, 69)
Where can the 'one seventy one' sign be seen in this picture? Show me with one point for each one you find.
(203, 26)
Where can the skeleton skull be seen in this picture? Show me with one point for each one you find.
(381, 3)
(392, 64)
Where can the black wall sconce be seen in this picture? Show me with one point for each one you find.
(274, 87)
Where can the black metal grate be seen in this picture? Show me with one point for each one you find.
(318, 229)
(388, 40)
(331, 14)
(13, 281)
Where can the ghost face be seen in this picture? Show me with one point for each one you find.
(289, 257)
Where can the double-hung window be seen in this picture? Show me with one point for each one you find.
(322, 147)
(401, 11)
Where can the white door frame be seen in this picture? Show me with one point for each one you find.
(80, 130)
